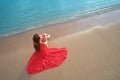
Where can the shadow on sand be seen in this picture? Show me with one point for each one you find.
(24, 75)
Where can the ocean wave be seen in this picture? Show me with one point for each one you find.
(61, 19)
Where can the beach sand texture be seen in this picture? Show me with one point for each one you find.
(93, 47)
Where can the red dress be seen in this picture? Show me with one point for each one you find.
(47, 58)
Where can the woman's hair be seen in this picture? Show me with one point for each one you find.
(36, 40)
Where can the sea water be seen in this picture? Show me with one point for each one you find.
(17, 16)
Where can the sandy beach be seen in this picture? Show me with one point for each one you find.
(93, 45)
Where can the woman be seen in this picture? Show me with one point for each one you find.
(43, 57)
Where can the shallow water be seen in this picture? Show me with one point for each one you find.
(21, 15)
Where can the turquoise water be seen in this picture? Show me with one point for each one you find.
(21, 15)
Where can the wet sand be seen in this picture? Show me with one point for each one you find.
(93, 50)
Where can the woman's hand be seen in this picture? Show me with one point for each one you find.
(46, 35)
(44, 38)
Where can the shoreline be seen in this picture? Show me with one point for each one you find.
(112, 13)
